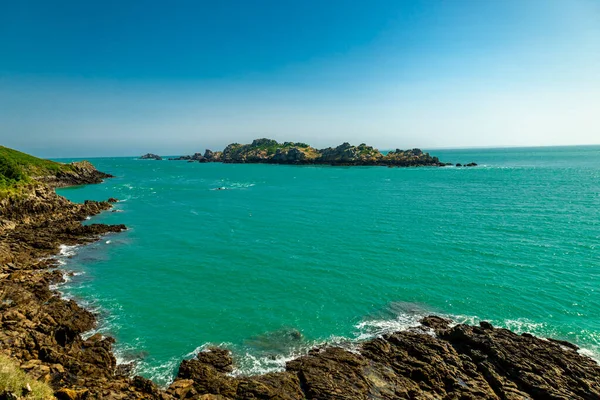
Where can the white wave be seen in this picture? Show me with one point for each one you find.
(67, 251)
(594, 355)
(377, 327)
(162, 374)
(205, 347)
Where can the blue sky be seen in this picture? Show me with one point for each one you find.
(124, 77)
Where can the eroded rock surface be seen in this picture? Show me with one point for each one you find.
(435, 361)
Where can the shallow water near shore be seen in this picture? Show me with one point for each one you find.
(288, 257)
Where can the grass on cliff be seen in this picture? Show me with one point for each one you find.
(18, 169)
(13, 379)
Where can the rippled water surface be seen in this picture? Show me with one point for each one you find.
(290, 256)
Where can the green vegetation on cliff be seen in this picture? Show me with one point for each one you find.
(19, 171)
(17, 167)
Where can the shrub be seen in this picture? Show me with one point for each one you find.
(13, 379)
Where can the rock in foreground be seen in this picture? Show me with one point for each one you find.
(435, 361)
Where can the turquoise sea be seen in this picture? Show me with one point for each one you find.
(292, 256)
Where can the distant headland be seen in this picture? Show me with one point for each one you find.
(269, 151)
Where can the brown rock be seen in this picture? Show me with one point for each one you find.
(71, 394)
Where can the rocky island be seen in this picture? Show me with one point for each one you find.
(42, 333)
(150, 156)
(269, 151)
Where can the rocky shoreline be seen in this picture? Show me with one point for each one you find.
(437, 360)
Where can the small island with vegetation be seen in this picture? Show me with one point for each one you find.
(269, 151)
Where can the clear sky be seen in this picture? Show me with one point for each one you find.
(102, 78)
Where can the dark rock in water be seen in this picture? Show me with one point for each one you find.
(112, 200)
(459, 362)
(459, 165)
(218, 358)
(485, 325)
(276, 342)
(208, 156)
(181, 158)
(471, 164)
(436, 322)
(150, 156)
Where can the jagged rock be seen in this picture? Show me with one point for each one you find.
(218, 358)
(146, 386)
(458, 362)
(71, 394)
(150, 156)
(180, 388)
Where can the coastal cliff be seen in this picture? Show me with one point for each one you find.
(42, 332)
(268, 151)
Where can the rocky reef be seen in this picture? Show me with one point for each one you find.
(268, 151)
(209, 156)
(150, 156)
(437, 360)
(433, 361)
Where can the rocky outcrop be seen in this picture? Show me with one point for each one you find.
(195, 157)
(213, 156)
(150, 156)
(471, 164)
(77, 173)
(434, 361)
(411, 158)
(209, 156)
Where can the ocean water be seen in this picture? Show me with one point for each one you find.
(292, 256)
